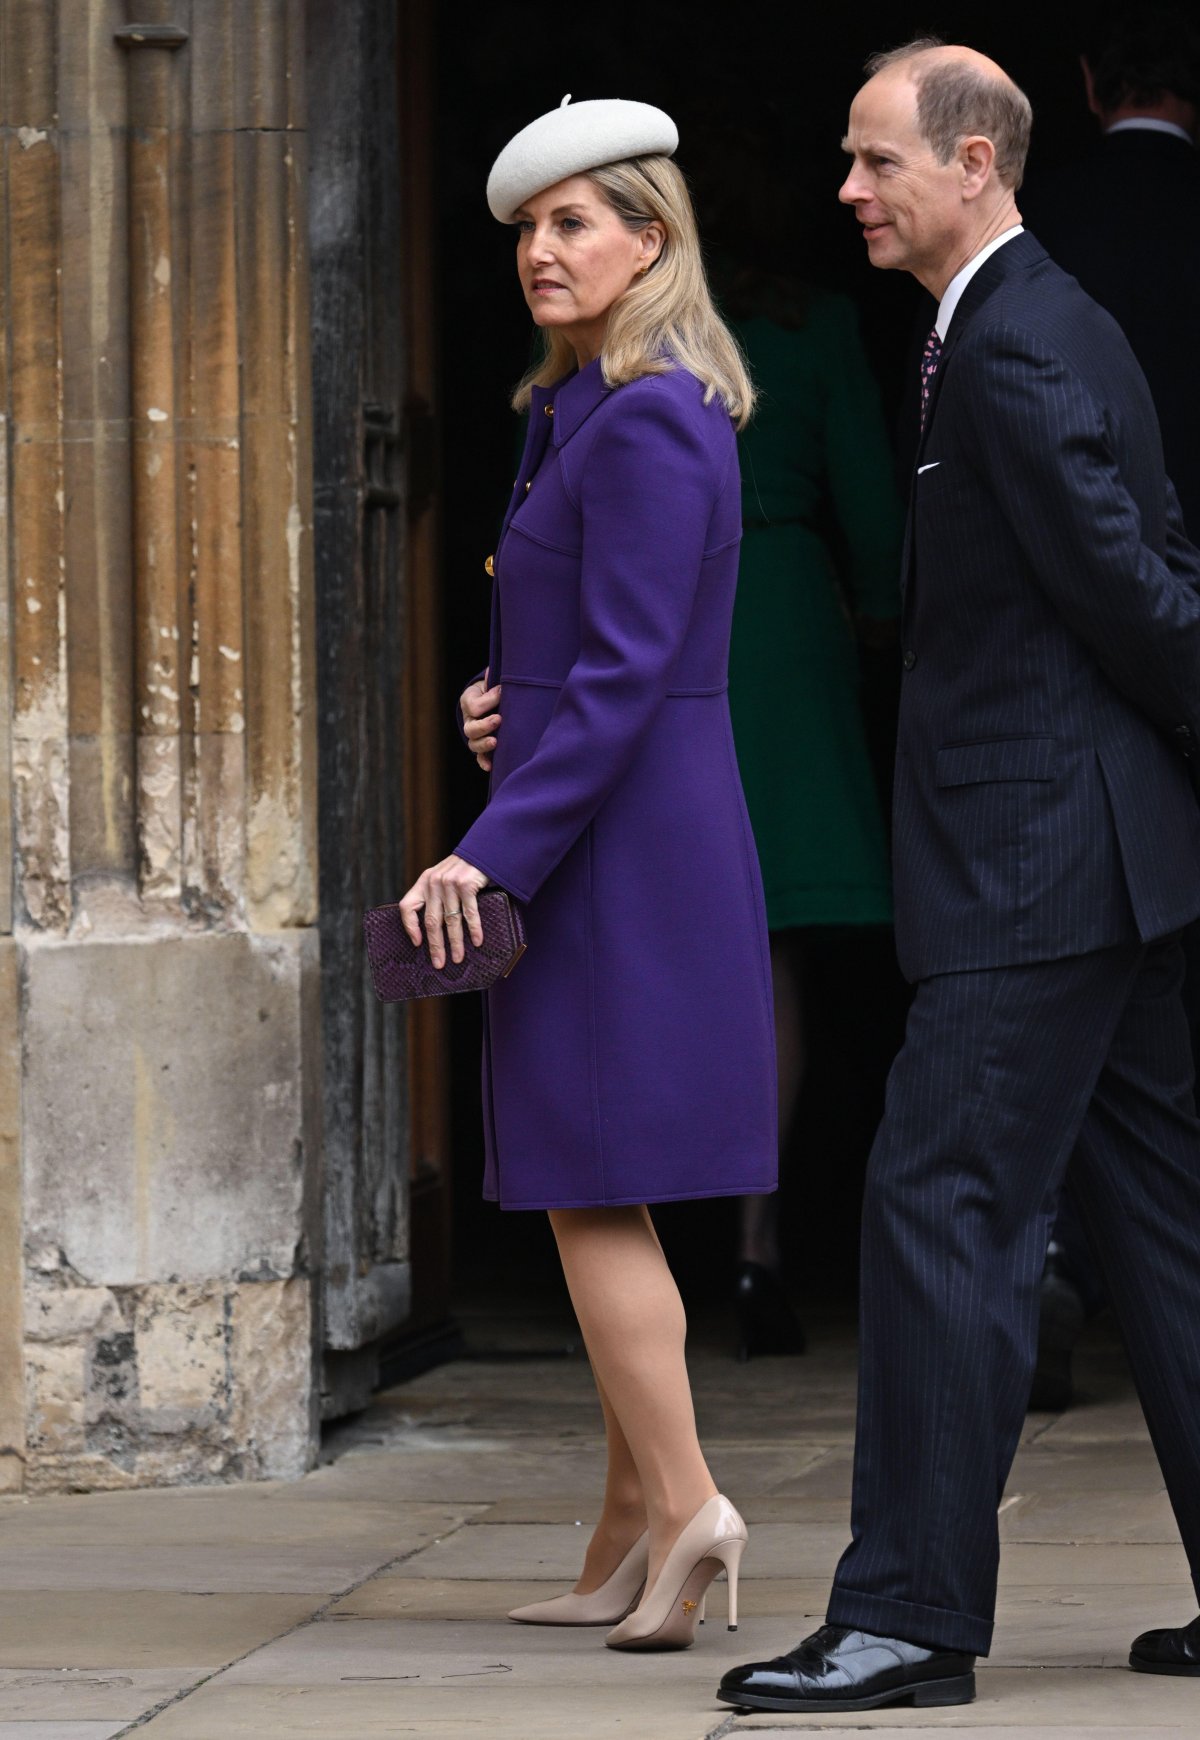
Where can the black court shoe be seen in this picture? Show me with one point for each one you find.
(1168, 1652)
(765, 1319)
(840, 1669)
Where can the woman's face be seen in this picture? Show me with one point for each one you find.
(576, 257)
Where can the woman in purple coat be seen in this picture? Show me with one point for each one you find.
(630, 1057)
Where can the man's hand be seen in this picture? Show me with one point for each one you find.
(480, 720)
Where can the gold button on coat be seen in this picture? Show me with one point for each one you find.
(489, 567)
(549, 410)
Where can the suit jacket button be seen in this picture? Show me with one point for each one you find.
(489, 567)
(910, 659)
(549, 410)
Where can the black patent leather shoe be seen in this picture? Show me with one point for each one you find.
(1168, 1652)
(765, 1318)
(840, 1669)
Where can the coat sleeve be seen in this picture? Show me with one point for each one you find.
(1042, 445)
(646, 496)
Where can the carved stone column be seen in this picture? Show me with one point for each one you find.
(159, 1002)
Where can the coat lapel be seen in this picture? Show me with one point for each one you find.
(576, 398)
(555, 413)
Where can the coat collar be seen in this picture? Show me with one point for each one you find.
(574, 398)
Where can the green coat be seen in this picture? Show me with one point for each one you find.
(816, 449)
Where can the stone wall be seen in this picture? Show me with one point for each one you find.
(159, 988)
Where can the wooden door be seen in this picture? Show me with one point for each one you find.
(378, 693)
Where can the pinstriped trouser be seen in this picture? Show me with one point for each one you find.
(1007, 1079)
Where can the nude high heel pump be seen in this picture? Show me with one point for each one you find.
(611, 1601)
(667, 1617)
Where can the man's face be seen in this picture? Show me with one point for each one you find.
(909, 204)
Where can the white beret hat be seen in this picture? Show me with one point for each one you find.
(572, 139)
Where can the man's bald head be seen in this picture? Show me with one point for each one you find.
(962, 94)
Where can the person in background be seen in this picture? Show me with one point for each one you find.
(817, 470)
(1126, 223)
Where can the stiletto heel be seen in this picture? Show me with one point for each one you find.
(611, 1601)
(730, 1555)
(666, 1618)
(703, 1609)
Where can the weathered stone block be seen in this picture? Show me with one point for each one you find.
(12, 1387)
(181, 1339)
(170, 1176)
(275, 1415)
(164, 1132)
(54, 1374)
(167, 1385)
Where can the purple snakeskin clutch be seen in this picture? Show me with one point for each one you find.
(400, 971)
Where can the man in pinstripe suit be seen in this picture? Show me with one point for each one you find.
(1047, 853)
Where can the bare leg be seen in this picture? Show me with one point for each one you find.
(759, 1242)
(632, 1319)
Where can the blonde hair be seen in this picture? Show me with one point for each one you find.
(666, 318)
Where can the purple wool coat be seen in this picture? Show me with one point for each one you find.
(630, 1058)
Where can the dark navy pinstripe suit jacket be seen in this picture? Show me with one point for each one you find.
(1051, 639)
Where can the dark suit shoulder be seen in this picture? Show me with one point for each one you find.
(1049, 306)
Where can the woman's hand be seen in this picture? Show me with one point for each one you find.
(480, 720)
(448, 892)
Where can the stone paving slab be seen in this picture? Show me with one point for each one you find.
(81, 1629)
(497, 1468)
(525, 1473)
(1088, 1517)
(60, 1730)
(1068, 1469)
(239, 1516)
(756, 1507)
(221, 1712)
(83, 1695)
(1023, 1562)
(102, 1554)
(553, 1551)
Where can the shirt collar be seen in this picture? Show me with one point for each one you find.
(1150, 124)
(957, 284)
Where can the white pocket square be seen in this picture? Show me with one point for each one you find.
(932, 466)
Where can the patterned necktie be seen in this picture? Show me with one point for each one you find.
(930, 358)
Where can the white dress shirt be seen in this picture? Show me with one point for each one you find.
(1150, 124)
(959, 282)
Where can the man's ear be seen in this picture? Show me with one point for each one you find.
(976, 157)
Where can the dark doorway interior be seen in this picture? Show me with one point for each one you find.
(781, 78)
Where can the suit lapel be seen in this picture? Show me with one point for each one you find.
(1017, 256)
